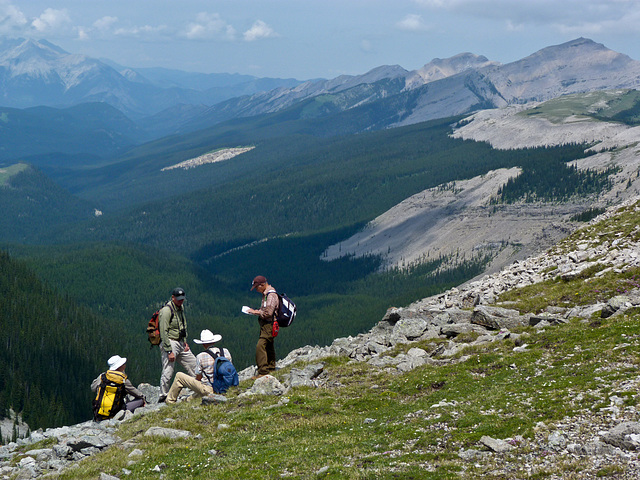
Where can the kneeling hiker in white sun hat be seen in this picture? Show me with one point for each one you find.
(112, 388)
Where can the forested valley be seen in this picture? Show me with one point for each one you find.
(77, 292)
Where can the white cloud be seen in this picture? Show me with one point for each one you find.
(83, 33)
(51, 20)
(514, 27)
(259, 30)
(11, 18)
(434, 3)
(412, 23)
(137, 31)
(209, 25)
(578, 16)
(105, 22)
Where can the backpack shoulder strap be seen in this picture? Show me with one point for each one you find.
(220, 353)
(277, 295)
(215, 357)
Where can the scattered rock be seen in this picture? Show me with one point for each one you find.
(496, 445)
(167, 432)
(625, 436)
(267, 385)
(306, 376)
(213, 399)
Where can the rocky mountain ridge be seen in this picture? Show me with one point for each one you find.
(438, 68)
(455, 86)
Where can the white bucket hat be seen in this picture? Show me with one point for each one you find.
(206, 336)
(116, 362)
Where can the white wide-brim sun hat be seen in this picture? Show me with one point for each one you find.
(116, 362)
(206, 336)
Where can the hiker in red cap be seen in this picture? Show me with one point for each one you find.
(265, 349)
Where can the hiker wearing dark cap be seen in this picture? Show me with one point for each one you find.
(173, 346)
(202, 384)
(115, 379)
(265, 349)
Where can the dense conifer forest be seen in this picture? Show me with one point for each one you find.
(548, 178)
(305, 185)
(51, 345)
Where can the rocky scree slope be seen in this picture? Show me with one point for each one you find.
(459, 220)
(437, 331)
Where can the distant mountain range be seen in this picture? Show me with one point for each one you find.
(162, 101)
(34, 73)
(442, 88)
(453, 86)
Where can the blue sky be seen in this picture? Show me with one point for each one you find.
(307, 39)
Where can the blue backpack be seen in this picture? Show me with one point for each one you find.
(224, 373)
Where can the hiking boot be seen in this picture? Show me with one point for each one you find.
(162, 398)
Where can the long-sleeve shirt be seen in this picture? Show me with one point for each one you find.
(268, 307)
(172, 327)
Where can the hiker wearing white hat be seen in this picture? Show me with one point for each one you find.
(201, 385)
(112, 388)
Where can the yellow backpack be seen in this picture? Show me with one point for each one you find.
(110, 396)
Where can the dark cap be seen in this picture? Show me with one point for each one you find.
(257, 281)
(178, 293)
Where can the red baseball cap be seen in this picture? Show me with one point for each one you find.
(257, 281)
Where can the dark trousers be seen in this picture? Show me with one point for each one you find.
(265, 350)
(132, 405)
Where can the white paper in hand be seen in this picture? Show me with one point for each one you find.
(245, 309)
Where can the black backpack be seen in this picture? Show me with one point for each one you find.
(286, 312)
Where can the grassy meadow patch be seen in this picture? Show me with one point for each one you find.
(7, 172)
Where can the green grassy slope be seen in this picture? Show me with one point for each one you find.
(608, 105)
(6, 173)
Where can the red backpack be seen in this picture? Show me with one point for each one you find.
(153, 328)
